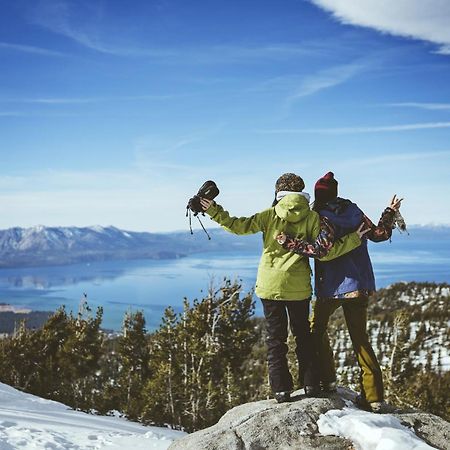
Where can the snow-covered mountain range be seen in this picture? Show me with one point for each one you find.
(42, 245)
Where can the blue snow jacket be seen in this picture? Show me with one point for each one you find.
(352, 271)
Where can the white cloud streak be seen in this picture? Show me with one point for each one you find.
(326, 79)
(359, 130)
(29, 49)
(426, 20)
(83, 24)
(87, 100)
(393, 158)
(418, 105)
(10, 114)
(444, 50)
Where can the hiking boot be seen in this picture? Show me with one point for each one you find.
(312, 391)
(362, 403)
(375, 407)
(329, 388)
(380, 407)
(283, 397)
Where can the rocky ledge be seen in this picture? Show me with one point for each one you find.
(295, 425)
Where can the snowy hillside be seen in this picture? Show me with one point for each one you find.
(424, 331)
(410, 333)
(29, 422)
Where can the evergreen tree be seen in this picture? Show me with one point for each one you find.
(18, 363)
(198, 359)
(164, 392)
(50, 341)
(79, 358)
(134, 363)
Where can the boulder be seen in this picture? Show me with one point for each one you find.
(267, 425)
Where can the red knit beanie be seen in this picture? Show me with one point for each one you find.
(326, 188)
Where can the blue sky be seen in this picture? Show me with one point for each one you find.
(114, 113)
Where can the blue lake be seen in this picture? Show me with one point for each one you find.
(151, 286)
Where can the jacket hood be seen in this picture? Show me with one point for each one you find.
(343, 213)
(292, 208)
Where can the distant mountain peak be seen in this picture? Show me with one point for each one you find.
(37, 228)
(99, 228)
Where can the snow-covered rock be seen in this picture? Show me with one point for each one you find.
(318, 423)
(28, 422)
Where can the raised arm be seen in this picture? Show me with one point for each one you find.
(236, 225)
(383, 231)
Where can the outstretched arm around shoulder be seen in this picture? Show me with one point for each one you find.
(324, 247)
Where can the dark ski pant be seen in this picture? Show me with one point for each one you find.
(277, 313)
(355, 312)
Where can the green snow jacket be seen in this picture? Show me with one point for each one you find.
(283, 275)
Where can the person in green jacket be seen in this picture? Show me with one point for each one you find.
(284, 278)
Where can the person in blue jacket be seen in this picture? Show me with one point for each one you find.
(345, 282)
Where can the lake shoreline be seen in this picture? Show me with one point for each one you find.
(153, 285)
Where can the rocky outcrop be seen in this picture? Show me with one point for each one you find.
(430, 428)
(268, 425)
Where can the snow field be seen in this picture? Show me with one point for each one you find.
(31, 423)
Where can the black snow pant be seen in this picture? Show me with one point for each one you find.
(276, 313)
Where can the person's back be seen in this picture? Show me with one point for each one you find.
(283, 275)
(352, 271)
(347, 282)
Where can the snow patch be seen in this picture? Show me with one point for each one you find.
(369, 431)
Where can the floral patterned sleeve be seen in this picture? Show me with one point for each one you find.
(319, 248)
(383, 231)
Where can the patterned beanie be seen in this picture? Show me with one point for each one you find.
(326, 188)
(289, 182)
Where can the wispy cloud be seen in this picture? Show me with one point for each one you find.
(426, 20)
(87, 100)
(29, 49)
(293, 87)
(326, 79)
(358, 130)
(242, 53)
(156, 152)
(443, 50)
(83, 24)
(58, 16)
(428, 106)
(40, 114)
(10, 114)
(392, 158)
